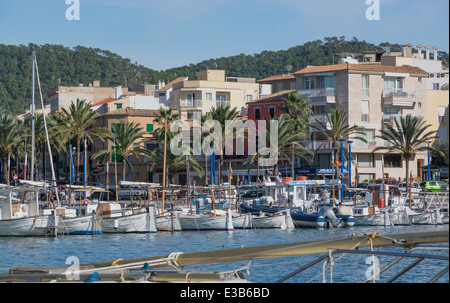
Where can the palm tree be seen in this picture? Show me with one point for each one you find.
(338, 129)
(9, 138)
(222, 114)
(76, 122)
(174, 163)
(299, 110)
(127, 138)
(409, 137)
(287, 143)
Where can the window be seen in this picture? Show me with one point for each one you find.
(326, 82)
(208, 96)
(441, 114)
(248, 98)
(309, 83)
(221, 100)
(435, 86)
(365, 85)
(149, 128)
(392, 160)
(272, 112)
(193, 115)
(257, 113)
(369, 135)
(392, 86)
(118, 106)
(391, 112)
(365, 111)
(365, 160)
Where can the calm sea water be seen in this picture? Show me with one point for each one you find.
(49, 252)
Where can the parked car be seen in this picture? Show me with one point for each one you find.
(126, 193)
(415, 188)
(434, 185)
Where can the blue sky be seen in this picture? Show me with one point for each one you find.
(161, 34)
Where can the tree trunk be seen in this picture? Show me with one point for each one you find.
(407, 174)
(124, 171)
(292, 162)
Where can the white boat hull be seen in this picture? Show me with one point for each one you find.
(25, 226)
(205, 222)
(275, 221)
(242, 221)
(168, 223)
(135, 223)
(82, 225)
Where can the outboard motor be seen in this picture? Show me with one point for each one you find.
(329, 215)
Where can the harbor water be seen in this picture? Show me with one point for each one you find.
(52, 252)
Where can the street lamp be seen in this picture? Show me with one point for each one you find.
(349, 163)
(429, 164)
(342, 169)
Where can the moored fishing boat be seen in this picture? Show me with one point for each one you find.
(115, 219)
(168, 222)
(207, 221)
(20, 213)
(280, 220)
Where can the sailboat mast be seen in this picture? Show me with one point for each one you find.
(46, 134)
(32, 116)
(164, 167)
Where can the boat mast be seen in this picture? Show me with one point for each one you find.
(46, 134)
(32, 115)
(164, 166)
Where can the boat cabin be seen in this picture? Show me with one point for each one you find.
(18, 202)
(291, 194)
(377, 196)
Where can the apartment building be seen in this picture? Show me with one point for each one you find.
(371, 94)
(63, 96)
(211, 89)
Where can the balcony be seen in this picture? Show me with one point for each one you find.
(222, 103)
(402, 97)
(190, 103)
(322, 95)
(323, 118)
(316, 145)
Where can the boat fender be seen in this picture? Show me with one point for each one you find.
(116, 223)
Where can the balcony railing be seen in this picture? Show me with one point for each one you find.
(318, 92)
(317, 144)
(389, 118)
(222, 103)
(324, 118)
(403, 93)
(190, 103)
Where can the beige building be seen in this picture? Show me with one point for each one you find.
(141, 171)
(211, 89)
(437, 112)
(63, 96)
(372, 95)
